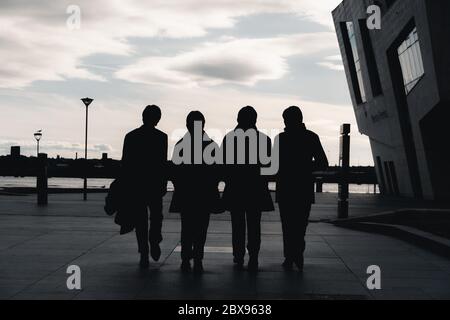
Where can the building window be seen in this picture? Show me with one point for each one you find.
(357, 61)
(411, 61)
(372, 67)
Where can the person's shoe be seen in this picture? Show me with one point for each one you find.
(155, 251)
(186, 266)
(299, 263)
(144, 263)
(198, 266)
(253, 265)
(288, 265)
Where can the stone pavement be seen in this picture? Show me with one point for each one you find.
(37, 245)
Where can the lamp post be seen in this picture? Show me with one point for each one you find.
(87, 102)
(38, 136)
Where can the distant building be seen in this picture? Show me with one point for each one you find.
(399, 79)
(15, 152)
(104, 156)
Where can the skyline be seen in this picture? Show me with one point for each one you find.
(211, 57)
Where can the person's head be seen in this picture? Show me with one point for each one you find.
(151, 115)
(247, 117)
(292, 116)
(192, 118)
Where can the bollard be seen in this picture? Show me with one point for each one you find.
(42, 180)
(319, 185)
(344, 162)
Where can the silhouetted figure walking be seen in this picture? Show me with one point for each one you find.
(246, 192)
(144, 162)
(300, 154)
(196, 193)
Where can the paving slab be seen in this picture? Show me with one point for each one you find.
(38, 243)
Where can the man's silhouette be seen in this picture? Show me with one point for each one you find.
(300, 153)
(246, 192)
(144, 162)
(196, 193)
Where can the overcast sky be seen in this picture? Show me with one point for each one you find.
(215, 56)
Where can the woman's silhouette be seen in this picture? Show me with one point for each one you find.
(196, 193)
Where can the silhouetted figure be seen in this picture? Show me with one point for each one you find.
(196, 193)
(144, 162)
(246, 192)
(300, 154)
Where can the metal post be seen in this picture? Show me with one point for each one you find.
(42, 180)
(85, 158)
(319, 185)
(87, 102)
(344, 162)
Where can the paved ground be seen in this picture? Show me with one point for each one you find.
(37, 245)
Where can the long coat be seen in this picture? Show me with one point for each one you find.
(245, 187)
(144, 163)
(300, 154)
(196, 185)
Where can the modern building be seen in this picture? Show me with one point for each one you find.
(399, 80)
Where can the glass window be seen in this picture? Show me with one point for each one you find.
(411, 61)
(352, 39)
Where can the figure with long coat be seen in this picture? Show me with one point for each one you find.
(144, 177)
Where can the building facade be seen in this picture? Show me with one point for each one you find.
(399, 80)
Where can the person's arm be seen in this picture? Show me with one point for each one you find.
(126, 152)
(222, 168)
(275, 155)
(165, 163)
(320, 158)
(164, 156)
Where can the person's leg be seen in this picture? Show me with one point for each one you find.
(154, 233)
(186, 237)
(299, 237)
(286, 228)
(254, 238)
(142, 234)
(238, 235)
(304, 220)
(201, 233)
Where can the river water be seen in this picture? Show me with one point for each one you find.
(67, 183)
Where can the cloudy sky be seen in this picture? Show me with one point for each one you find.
(210, 55)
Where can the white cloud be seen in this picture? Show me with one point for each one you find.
(240, 61)
(332, 63)
(37, 45)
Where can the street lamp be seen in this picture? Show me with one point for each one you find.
(87, 102)
(38, 136)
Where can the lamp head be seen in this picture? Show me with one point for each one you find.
(38, 135)
(87, 101)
